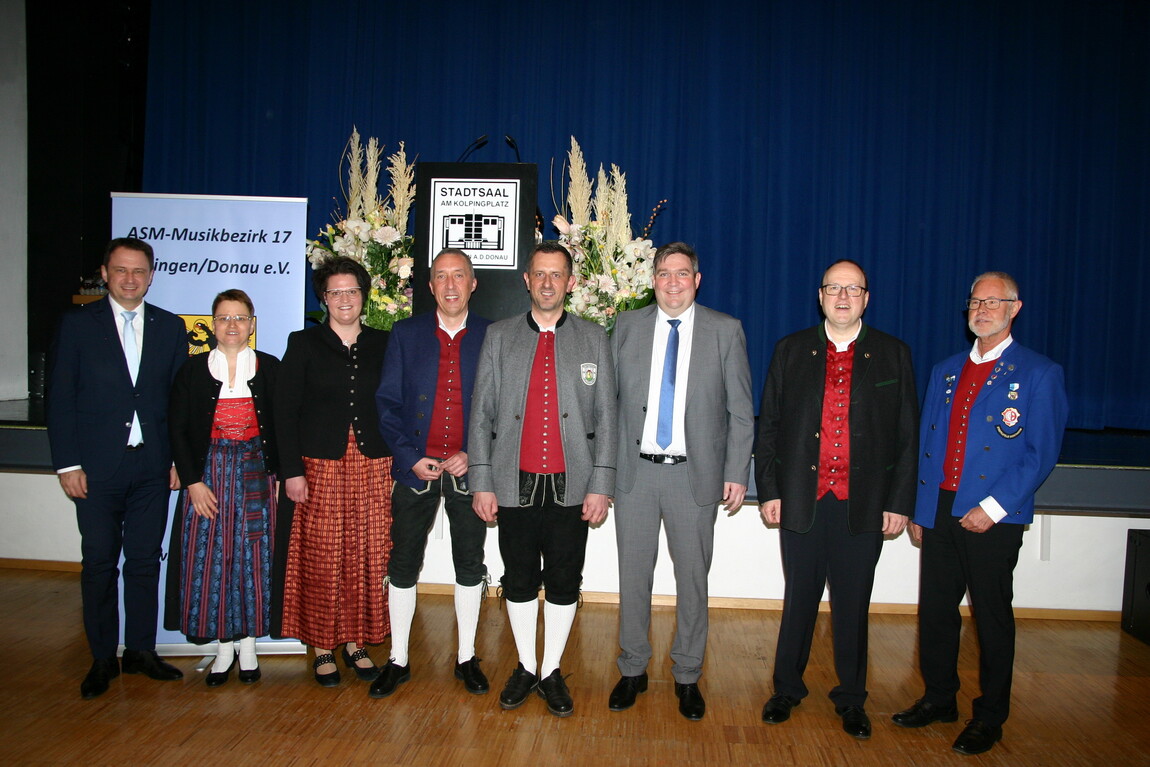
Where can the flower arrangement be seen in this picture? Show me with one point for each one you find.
(374, 231)
(612, 268)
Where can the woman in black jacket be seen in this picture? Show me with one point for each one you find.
(223, 446)
(336, 469)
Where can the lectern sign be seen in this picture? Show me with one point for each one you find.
(477, 215)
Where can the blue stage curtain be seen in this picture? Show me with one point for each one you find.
(928, 140)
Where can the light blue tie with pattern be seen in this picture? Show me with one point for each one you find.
(131, 349)
(132, 355)
(667, 387)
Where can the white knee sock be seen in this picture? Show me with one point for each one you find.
(523, 617)
(557, 620)
(225, 652)
(401, 608)
(467, 602)
(248, 660)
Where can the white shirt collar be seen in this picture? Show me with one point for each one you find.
(686, 317)
(841, 346)
(139, 310)
(993, 354)
(455, 332)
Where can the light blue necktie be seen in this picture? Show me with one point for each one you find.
(667, 387)
(132, 354)
(131, 349)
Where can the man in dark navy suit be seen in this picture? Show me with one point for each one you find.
(111, 367)
(424, 401)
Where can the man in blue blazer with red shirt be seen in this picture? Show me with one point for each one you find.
(424, 402)
(110, 370)
(991, 431)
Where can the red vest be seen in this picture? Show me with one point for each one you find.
(541, 446)
(445, 430)
(835, 434)
(972, 379)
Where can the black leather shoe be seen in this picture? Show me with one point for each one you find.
(146, 662)
(330, 679)
(519, 686)
(625, 692)
(249, 676)
(390, 677)
(96, 682)
(922, 713)
(855, 721)
(473, 677)
(778, 709)
(216, 678)
(691, 703)
(554, 690)
(365, 673)
(977, 738)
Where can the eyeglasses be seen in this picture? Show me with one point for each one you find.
(240, 318)
(342, 293)
(854, 291)
(989, 303)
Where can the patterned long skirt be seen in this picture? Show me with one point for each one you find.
(338, 553)
(225, 571)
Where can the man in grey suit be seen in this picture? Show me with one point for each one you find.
(685, 436)
(541, 456)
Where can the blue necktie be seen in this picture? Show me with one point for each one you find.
(667, 387)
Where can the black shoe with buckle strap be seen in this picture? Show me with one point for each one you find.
(325, 680)
(365, 673)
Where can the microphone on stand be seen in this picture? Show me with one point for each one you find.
(476, 144)
(511, 143)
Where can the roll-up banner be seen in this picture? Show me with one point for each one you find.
(205, 244)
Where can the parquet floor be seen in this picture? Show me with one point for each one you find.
(1082, 697)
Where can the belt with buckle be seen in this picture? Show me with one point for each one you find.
(666, 460)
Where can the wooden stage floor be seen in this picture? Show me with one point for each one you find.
(1081, 697)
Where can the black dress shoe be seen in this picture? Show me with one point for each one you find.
(625, 692)
(330, 679)
(778, 709)
(365, 673)
(146, 662)
(691, 703)
(519, 686)
(977, 738)
(473, 677)
(249, 676)
(922, 713)
(554, 690)
(216, 678)
(96, 682)
(390, 677)
(855, 721)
